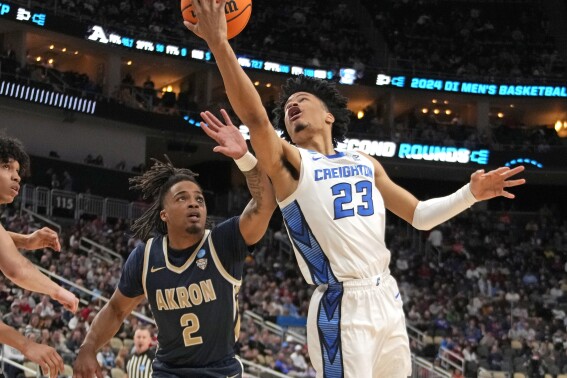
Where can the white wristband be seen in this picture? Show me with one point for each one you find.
(247, 162)
(435, 211)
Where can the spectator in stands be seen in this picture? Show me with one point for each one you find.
(67, 182)
(298, 360)
(179, 214)
(106, 357)
(14, 318)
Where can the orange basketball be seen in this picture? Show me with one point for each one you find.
(237, 14)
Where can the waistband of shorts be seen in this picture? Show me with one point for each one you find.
(375, 280)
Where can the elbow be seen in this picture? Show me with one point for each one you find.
(422, 227)
(15, 272)
(421, 224)
(255, 118)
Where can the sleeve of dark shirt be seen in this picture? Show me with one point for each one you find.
(230, 246)
(130, 284)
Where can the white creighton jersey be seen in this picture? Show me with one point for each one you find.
(336, 218)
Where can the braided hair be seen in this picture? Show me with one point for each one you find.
(12, 148)
(155, 183)
(325, 91)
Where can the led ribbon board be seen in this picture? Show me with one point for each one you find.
(465, 87)
(47, 97)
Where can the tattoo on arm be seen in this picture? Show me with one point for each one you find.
(255, 179)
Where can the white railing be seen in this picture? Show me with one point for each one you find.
(54, 225)
(25, 369)
(450, 358)
(483, 373)
(90, 246)
(417, 335)
(88, 204)
(115, 208)
(252, 370)
(421, 368)
(91, 293)
(272, 327)
(42, 200)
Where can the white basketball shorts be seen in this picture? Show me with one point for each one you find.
(357, 329)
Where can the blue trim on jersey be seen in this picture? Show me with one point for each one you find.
(335, 156)
(317, 155)
(304, 241)
(329, 328)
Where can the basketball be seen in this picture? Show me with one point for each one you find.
(237, 15)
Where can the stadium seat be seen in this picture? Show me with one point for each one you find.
(519, 375)
(482, 351)
(437, 340)
(33, 366)
(516, 344)
(499, 374)
(562, 376)
(116, 344)
(427, 340)
(67, 371)
(128, 343)
(117, 373)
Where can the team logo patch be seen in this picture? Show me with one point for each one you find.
(356, 157)
(202, 263)
(201, 253)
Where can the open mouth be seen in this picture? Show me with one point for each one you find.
(293, 113)
(194, 216)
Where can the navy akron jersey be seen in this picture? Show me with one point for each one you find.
(192, 294)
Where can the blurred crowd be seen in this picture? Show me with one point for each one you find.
(510, 39)
(484, 41)
(489, 286)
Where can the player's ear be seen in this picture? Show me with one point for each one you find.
(163, 215)
(330, 118)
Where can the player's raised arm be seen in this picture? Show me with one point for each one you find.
(256, 216)
(482, 186)
(241, 92)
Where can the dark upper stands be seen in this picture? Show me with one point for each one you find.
(473, 39)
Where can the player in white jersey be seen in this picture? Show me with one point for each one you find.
(333, 205)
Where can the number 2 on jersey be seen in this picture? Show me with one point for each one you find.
(190, 322)
(343, 203)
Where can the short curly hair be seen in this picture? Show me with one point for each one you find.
(327, 92)
(12, 148)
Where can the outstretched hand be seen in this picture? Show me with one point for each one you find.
(67, 299)
(211, 24)
(230, 140)
(86, 365)
(45, 356)
(495, 183)
(43, 238)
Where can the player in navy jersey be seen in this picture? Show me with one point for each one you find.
(189, 274)
(334, 205)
